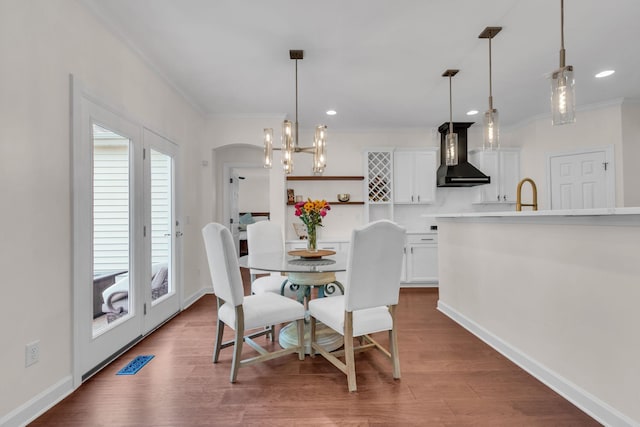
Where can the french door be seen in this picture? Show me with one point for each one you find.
(162, 299)
(125, 233)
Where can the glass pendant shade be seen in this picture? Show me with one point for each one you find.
(287, 146)
(491, 122)
(289, 139)
(491, 130)
(451, 138)
(563, 107)
(268, 148)
(451, 146)
(319, 147)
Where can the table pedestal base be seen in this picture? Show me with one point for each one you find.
(325, 336)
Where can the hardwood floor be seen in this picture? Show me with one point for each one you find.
(449, 378)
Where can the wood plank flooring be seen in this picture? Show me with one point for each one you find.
(449, 378)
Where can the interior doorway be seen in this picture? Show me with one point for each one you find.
(582, 179)
(243, 183)
(248, 200)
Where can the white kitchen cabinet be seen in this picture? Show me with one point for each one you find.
(414, 179)
(421, 259)
(503, 166)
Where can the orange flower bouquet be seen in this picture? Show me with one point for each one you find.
(311, 213)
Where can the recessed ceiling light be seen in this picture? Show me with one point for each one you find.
(472, 112)
(605, 73)
(331, 112)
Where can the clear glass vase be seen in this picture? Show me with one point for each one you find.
(312, 238)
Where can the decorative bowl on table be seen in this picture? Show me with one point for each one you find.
(344, 197)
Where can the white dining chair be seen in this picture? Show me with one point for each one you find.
(374, 266)
(242, 313)
(266, 236)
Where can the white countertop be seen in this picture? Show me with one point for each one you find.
(610, 216)
(545, 213)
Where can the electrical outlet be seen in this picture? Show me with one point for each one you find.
(32, 353)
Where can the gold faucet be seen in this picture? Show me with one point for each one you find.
(534, 190)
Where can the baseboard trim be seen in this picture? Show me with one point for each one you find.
(195, 297)
(39, 404)
(408, 285)
(585, 401)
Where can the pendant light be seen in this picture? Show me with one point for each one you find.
(563, 108)
(289, 140)
(491, 129)
(451, 139)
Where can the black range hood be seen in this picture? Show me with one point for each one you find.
(464, 174)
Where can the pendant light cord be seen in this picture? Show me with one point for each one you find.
(295, 140)
(490, 85)
(450, 108)
(562, 24)
(562, 54)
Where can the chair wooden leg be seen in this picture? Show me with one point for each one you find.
(273, 333)
(312, 336)
(219, 331)
(393, 344)
(348, 351)
(218, 344)
(237, 348)
(300, 323)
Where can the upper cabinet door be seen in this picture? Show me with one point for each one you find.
(509, 174)
(414, 176)
(425, 176)
(403, 176)
(503, 166)
(490, 165)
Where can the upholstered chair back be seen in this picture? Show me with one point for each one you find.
(374, 265)
(223, 264)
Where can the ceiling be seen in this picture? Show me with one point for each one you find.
(379, 63)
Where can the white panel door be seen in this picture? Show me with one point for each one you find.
(579, 181)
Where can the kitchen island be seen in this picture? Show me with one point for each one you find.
(558, 293)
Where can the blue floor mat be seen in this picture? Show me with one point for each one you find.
(135, 365)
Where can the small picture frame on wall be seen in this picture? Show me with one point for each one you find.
(290, 195)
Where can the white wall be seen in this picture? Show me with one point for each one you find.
(630, 153)
(42, 43)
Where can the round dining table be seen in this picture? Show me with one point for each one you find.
(302, 274)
